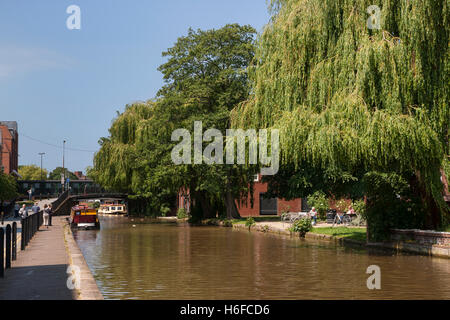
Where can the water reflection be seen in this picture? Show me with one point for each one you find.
(138, 260)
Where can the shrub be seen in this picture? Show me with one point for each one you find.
(319, 201)
(342, 205)
(249, 222)
(182, 213)
(227, 223)
(265, 228)
(360, 208)
(391, 204)
(302, 226)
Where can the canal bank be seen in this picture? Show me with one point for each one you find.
(282, 228)
(87, 287)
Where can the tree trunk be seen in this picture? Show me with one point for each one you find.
(433, 217)
(230, 205)
(205, 206)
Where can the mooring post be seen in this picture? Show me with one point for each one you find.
(14, 242)
(22, 238)
(8, 247)
(2, 253)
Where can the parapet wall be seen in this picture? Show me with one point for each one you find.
(422, 236)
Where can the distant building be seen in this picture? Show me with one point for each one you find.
(9, 146)
(80, 175)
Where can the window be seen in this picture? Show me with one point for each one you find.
(256, 178)
(267, 206)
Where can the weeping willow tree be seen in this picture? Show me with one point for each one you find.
(347, 92)
(204, 79)
(116, 159)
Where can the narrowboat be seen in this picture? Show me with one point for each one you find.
(114, 209)
(84, 217)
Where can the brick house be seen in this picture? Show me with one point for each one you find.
(9, 146)
(262, 206)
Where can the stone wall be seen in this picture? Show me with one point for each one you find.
(422, 237)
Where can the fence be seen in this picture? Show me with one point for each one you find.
(8, 239)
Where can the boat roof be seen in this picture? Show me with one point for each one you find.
(82, 207)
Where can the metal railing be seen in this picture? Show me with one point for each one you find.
(60, 200)
(8, 247)
(30, 225)
(8, 239)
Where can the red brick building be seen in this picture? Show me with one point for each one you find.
(9, 146)
(262, 206)
(80, 175)
(266, 206)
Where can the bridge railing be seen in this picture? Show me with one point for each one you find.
(60, 200)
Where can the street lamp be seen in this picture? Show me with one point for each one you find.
(64, 170)
(41, 154)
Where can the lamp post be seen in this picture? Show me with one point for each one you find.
(64, 170)
(41, 154)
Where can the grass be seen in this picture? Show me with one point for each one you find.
(257, 219)
(343, 232)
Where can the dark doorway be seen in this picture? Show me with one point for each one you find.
(305, 205)
(267, 206)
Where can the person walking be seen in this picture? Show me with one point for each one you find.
(23, 212)
(46, 215)
(16, 210)
(35, 208)
(50, 212)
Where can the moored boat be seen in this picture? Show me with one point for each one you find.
(84, 217)
(113, 209)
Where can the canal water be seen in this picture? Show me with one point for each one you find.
(142, 260)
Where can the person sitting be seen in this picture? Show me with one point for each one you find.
(350, 211)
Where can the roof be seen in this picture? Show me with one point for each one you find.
(12, 125)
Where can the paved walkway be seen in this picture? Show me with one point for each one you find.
(11, 219)
(39, 273)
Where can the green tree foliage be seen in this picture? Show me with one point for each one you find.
(32, 172)
(205, 77)
(319, 201)
(56, 174)
(8, 187)
(348, 99)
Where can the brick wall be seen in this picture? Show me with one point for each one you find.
(246, 210)
(9, 151)
(422, 237)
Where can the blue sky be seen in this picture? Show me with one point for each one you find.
(68, 84)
